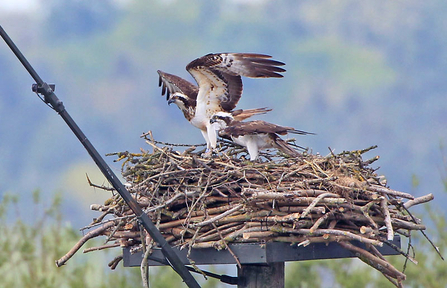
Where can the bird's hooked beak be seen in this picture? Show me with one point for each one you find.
(171, 100)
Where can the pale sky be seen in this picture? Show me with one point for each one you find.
(29, 5)
(18, 5)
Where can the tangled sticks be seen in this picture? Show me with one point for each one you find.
(201, 203)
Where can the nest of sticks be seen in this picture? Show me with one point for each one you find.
(202, 203)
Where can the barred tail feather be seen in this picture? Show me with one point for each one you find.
(242, 114)
(286, 148)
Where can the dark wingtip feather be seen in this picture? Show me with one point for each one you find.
(162, 85)
(264, 66)
(269, 74)
(300, 132)
(160, 78)
(268, 62)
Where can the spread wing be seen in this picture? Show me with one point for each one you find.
(242, 114)
(241, 64)
(220, 75)
(170, 84)
(258, 126)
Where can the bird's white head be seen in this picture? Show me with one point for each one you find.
(221, 120)
(180, 99)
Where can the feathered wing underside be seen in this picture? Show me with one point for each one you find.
(171, 84)
(229, 96)
(220, 74)
(220, 91)
(243, 64)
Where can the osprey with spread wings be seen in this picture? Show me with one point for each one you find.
(219, 87)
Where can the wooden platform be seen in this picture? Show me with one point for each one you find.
(257, 253)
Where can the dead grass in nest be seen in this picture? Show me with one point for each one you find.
(200, 203)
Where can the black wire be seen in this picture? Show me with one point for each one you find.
(223, 278)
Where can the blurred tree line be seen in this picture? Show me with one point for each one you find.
(358, 74)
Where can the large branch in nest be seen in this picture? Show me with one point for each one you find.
(419, 200)
(380, 264)
(89, 235)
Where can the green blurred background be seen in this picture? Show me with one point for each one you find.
(359, 73)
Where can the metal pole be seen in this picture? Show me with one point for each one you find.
(269, 275)
(51, 99)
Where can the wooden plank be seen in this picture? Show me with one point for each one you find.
(256, 253)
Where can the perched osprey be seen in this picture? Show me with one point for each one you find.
(219, 87)
(255, 135)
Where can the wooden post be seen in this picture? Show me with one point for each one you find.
(261, 275)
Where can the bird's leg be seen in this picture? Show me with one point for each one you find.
(209, 150)
(252, 148)
(212, 135)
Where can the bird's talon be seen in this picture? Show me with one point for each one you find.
(208, 153)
